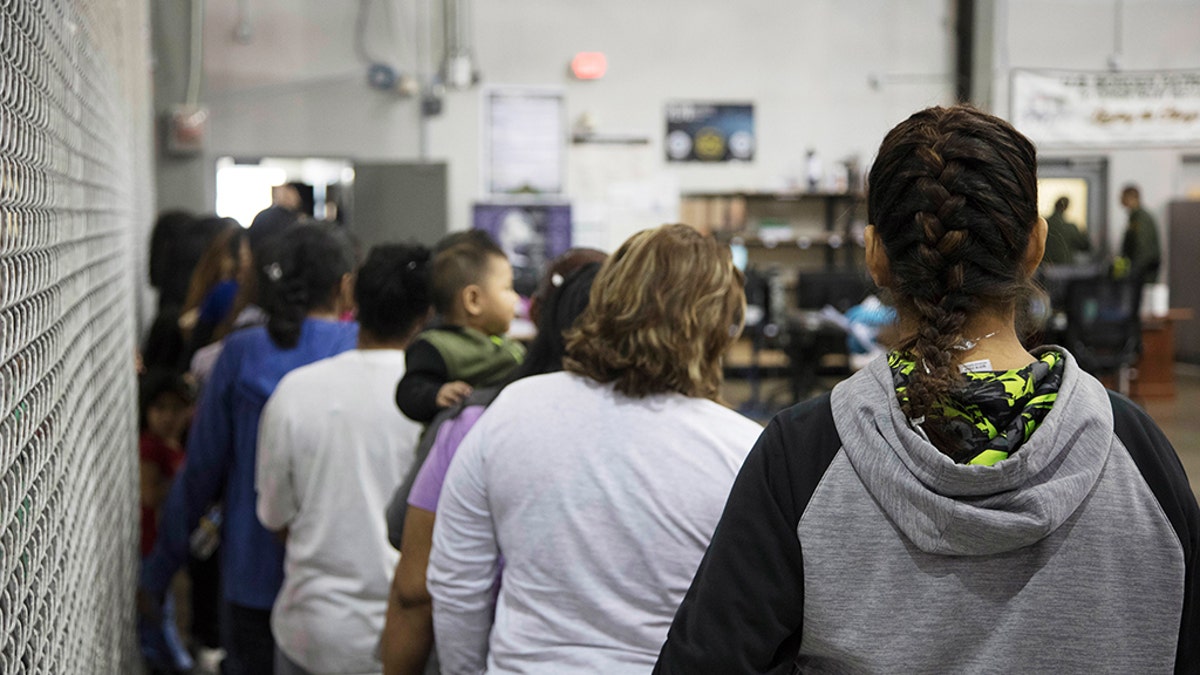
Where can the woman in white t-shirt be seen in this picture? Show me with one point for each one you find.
(332, 448)
(600, 485)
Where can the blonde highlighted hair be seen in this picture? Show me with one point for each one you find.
(663, 310)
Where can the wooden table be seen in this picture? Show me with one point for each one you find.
(1156, 367)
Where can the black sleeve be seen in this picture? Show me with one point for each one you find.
(1160, 467)
(424, 373)
(160, 254)
(744, 612)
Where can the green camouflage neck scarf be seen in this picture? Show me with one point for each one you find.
(994, 412)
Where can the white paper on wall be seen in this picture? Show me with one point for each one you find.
(617, 190)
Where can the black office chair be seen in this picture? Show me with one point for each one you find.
(760, 326)
(1055, 279)
(1104, 326)
(816, 347)
(842, 289)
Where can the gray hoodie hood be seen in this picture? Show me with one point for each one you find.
(959, 509)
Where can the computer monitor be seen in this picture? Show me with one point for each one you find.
(842, 289)
(1056, 279)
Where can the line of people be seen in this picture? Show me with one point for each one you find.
(203, 268)
(589, 505)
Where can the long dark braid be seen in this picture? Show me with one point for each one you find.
(953, 198)
(300, 271)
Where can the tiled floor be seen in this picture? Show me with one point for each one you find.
(1179, 419)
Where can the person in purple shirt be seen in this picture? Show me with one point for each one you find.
(305, 284)
(408, 634)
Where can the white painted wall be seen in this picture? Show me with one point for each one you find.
(297, 88)
(1087, 35)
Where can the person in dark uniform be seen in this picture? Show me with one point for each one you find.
(1140, 243)
(1064, 238)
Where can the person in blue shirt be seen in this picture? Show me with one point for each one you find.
(305, 284)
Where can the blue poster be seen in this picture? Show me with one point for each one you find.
(709, 132)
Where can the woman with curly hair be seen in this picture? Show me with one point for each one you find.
(600, 484)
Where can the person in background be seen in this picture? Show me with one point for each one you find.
(476, 237)
(332, 447)
(165, 409)
(963, 505)
(220, 299)
(304, 286)
(282, 215)
(472, 291)
(600, 484)
(212, 300)
(408, 637)
(1140, 250)
(1063, 239)
(168, 227)
(164, 348)
(185, 246)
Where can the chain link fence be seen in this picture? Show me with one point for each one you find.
(75, 137)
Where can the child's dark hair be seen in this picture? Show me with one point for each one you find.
(563, 303)
(480, 237)
(953, 198)
(300, 271)
(157, 383)
(458, 266)
(392, 290)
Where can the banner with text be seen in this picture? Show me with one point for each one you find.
(1102, 108)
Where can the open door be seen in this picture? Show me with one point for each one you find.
(1083, 180)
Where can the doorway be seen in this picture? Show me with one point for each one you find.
(1084, 181)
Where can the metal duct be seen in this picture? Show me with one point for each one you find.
(458, 61)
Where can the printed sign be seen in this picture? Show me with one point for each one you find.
(1102, 108)
(525, 139)
(710, 132)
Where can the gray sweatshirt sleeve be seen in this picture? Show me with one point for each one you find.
(463, 564)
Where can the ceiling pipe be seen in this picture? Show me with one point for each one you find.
(458, 61)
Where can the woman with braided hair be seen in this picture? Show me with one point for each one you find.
(966, 504)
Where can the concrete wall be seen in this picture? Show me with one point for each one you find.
(297, 88)
(1094, 35)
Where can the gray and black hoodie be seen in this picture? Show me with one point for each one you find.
(851, 544)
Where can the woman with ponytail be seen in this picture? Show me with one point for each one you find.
(965, 504)
(305, 282)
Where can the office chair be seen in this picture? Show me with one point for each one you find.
(1104, 326)
(1055, 280)
(840, 288)
(816, 346)
(763, 329)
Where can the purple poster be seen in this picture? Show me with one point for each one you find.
(530, 234)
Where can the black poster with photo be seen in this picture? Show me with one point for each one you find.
(710, 132)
